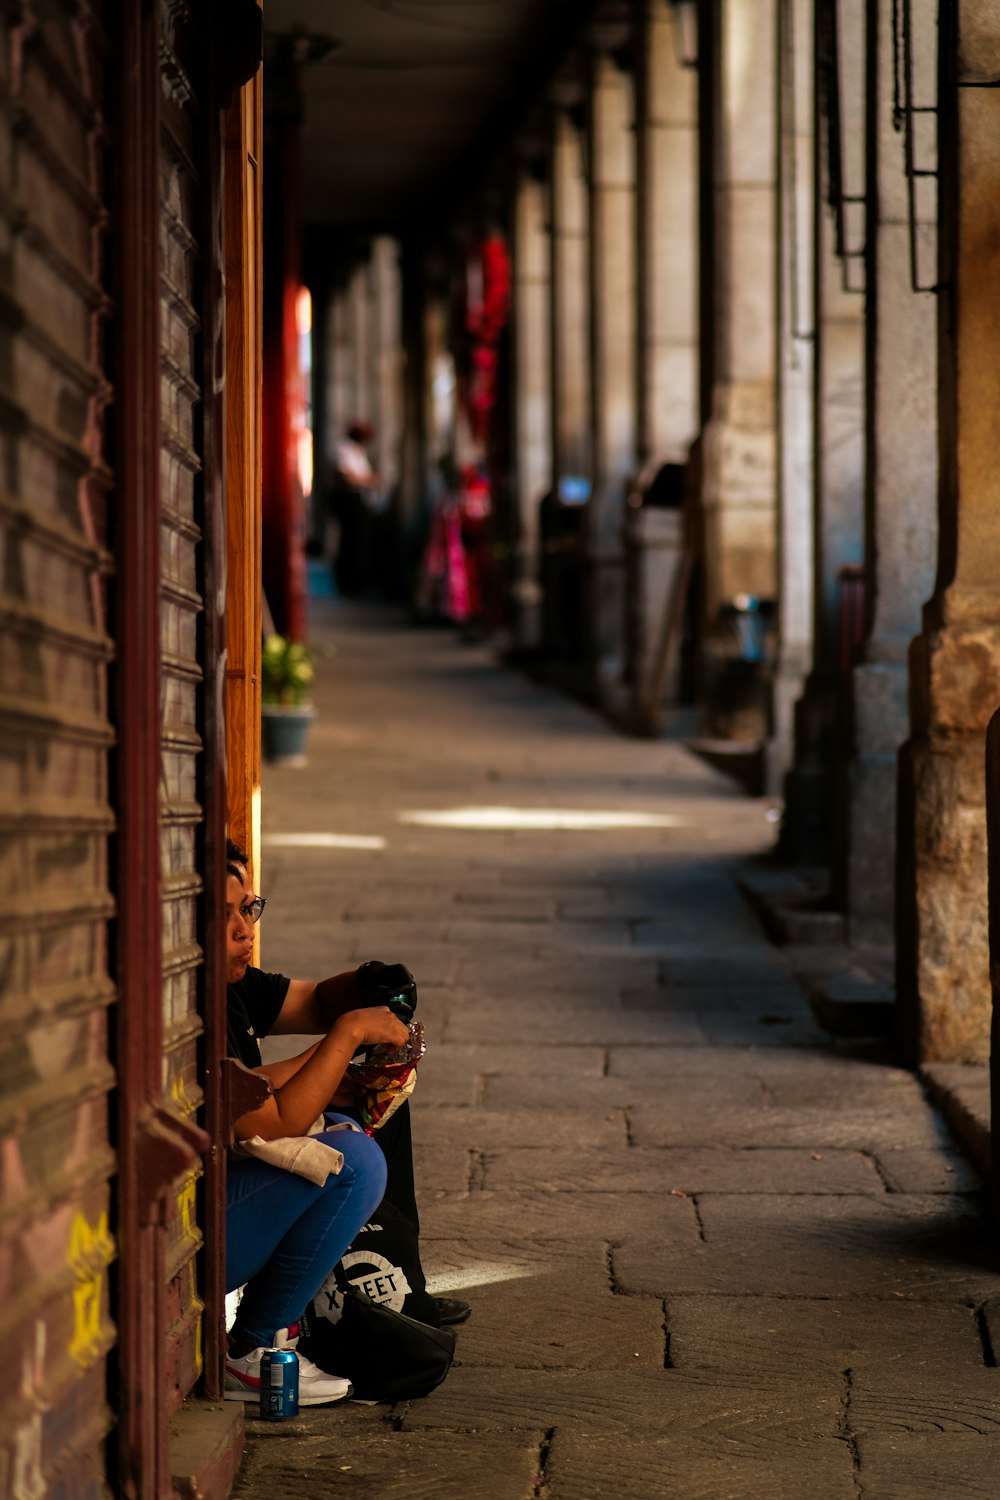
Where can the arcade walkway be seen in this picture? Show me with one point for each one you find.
(712, 1256)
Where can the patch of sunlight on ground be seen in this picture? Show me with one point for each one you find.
(537, 819)
(322, 841)
(488, 1273)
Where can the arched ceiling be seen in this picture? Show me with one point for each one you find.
(394, 113)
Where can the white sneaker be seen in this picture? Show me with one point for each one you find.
(316, 1388)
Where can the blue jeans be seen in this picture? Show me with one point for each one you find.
(284, 1234)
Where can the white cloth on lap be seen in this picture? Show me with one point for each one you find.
(302, 1154)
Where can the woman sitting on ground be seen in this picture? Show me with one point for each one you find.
(285, 1231)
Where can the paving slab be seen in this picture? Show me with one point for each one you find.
(736, 1008)
(584, 1325)
(456, 1061)
(545, 1019)
(669, 938)
(397, 1465)
(634, 906)
(928, 1170)
(913, 1398)
(466, 1266)
(828, 1065)
(678, 1033)
(581, 1467)
(555, 973)
(718, 1000)
(919, 1248)
(689, 1170)
(482, 1128)
(515, 939)
(708, 970)
(547, 1094)
(687, 952)
(781, 1026)
(782, 1335)
(654, 1063)
(915, 1466)
(560, 1220)
(440, 1081)
(755, 1417)
(771, 1064)
(444, 1169)
(868, 1092)
(683, 1119)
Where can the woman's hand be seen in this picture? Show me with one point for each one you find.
(372, 1025)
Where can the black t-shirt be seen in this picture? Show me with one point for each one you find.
(253, 1006)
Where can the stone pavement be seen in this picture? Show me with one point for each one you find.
(712, 1255)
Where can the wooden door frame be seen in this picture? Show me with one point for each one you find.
(156, 1144)
(244, 286)
(142, 1458)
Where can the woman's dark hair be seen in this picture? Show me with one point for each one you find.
(235, 859)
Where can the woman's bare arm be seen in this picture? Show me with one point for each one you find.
(304, 1085)
(279, 1072)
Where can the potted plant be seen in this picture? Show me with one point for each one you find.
(286, 712)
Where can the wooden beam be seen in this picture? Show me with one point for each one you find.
(243, 263)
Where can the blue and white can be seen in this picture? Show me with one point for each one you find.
(279, 1384)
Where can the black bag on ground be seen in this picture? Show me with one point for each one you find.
(385, 1355)
(383, 1261)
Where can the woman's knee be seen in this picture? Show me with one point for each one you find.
(362, 1159)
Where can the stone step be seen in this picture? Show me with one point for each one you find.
(794, 907)
(847, 999)
(962, 1093)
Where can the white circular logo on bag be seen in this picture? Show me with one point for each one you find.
(377, 1277)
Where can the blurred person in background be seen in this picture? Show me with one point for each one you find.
(356, 502)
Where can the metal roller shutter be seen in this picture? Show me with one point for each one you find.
(56, 1163)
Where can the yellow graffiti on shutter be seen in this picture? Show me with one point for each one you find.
(91, 1250)
(187, 1206)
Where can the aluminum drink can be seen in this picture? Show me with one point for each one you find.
(279, 1384)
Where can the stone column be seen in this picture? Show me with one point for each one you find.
(414, 380)
(389, 542)
(901, 476)
(739, 453)
(613, 362)
(360, 329)
(570, 317)
(338, 386)
(942, 947)
(667, 223)
(440, 398)
(563, 605)
(808, 832)
(796, 432)
(387, 355)
(337, 412)
(667, 394)
(532, 394)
